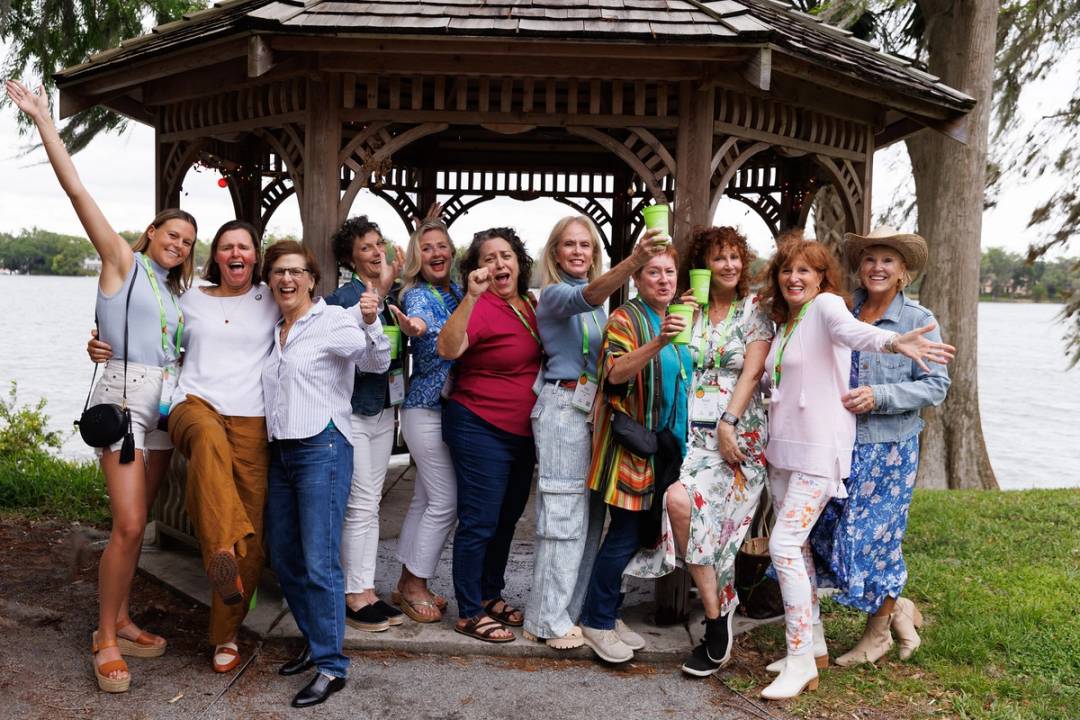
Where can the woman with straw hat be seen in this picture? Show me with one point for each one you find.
(857, 540)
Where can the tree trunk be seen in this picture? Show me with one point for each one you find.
(950, 179)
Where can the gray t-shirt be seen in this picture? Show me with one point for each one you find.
(144, 317)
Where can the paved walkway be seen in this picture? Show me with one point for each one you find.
(181, 569)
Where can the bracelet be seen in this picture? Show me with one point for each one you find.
(890, 346)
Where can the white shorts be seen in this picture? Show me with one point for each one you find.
(143, 395)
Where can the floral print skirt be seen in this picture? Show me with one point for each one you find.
(856, 542)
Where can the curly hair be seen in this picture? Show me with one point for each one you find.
(704, 239)
(471, 260)
(212, 273)
(343, 239)
(791, 246)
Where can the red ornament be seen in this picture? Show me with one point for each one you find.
(222, 183)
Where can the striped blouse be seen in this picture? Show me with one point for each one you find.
(308, 383)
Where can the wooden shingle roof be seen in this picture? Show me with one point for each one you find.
(650, 22)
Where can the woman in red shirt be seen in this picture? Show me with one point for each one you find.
(494, 339)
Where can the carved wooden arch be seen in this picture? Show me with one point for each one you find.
(766, 207)
(177, 162)
(402, 204)
(457, 206)
(273, 195)
(726, 161)
(846, 180)
(372, 146)
(288, 144)
(594, 211)
(641, 151)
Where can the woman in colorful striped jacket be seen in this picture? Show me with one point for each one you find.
(643, 375)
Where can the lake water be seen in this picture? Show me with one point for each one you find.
(1029, 400)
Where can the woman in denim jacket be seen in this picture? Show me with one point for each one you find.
(857, 541)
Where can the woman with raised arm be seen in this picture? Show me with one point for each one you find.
(153, 272)
(811, 432)
(494, 339)
(571, 319)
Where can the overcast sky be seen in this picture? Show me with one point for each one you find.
(119, 171)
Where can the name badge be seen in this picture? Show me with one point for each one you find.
(170, 376)
(584, 393)
(538, 383)
(705, 404)
(397, 386)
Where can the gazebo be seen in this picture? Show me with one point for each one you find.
(603, 105)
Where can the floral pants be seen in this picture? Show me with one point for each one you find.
(798, 500)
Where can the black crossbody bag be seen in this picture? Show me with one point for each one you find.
(105, 423)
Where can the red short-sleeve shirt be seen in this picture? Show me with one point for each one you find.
(496, 373)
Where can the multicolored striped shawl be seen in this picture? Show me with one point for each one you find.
(625, 479)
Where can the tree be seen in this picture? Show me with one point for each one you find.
(44, 37)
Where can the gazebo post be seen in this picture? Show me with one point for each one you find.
(321, 173)
(247, 188)
(164, 197)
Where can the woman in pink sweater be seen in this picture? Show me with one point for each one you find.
(811, 433)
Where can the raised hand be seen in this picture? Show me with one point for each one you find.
(413, 327)
(369, 306)
(914, 345)
(479, 281)
(650, 245)
(34, 103)
(670, 327)
(433, 213)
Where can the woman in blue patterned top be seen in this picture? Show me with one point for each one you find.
(428, 296)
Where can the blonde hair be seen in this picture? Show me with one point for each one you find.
(410, 271)
(549, 266)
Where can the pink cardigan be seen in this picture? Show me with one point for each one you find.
(810, 431)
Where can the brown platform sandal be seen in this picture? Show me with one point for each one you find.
(103, 671)
(224, 575)
(410, 608)
(144, 646)
(482, 627)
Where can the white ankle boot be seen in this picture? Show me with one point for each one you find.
(906, 620)
(873, 645)
(799, 673)
(820, 652)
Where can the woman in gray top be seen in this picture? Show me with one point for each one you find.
(156, 270)
(571, 324)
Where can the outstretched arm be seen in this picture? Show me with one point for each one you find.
(116, 255)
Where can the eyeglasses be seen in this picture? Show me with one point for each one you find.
(294, 272)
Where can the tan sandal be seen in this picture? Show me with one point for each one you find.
(409, 607)
(229, 650)
(102, 672)
(144, 646)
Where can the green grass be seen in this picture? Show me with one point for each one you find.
(37, 484)
(997, 576)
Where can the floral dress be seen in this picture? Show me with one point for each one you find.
(723, 498)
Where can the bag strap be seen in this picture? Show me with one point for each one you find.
(127, 306)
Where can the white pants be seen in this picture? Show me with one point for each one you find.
(373, 441)
(798, 500)
(433, 510)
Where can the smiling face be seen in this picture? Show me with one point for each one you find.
(293, 289)
(726, 265)
(368, 254)
(498, 256)
(235, 257)
(799, 283)
(656, 281)
(436, 257)
(881, 271)
(574, 252)
(170, 242)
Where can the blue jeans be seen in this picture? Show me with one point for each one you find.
(307, 489)
(494, 471)
(604, 597)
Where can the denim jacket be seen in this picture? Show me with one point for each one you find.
(370, 390)
(901, 388)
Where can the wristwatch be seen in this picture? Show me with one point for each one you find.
(729, 418)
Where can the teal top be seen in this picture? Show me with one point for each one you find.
(677, 366)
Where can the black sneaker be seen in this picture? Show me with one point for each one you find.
(718, 637)
(393, 615)
(368, 618)
(698, 663)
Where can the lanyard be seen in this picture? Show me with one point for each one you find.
(161, 311)
(523, 320)
(784, 340)
(439, 297)
(585, 332)
(725, 331)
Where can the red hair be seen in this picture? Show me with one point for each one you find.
(791, 246)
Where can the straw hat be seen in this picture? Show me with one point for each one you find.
(910, 246)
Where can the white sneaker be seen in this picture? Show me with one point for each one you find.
(607, 644)
(628, 636)
(820, 652)
(799, 673)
